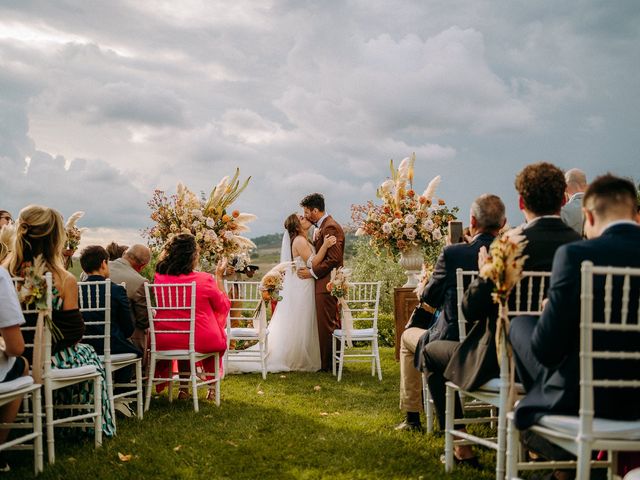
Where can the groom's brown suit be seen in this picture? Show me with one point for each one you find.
(326, 304)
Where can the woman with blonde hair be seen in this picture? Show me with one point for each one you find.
(40, 233)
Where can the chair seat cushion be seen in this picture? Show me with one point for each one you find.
(602, 427)
(356, 333)
(73, 372)
(493, 385)
(120, 357)
(16, 384)
(244, 332)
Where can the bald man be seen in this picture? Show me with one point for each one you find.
(127, 270)
(571, 212)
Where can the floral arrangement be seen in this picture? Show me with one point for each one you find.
(240, 261)
(32, 291)
(404, 219)
(338, 284)
(210, 219)
(272, 281)
(74, 234)
(503, 265)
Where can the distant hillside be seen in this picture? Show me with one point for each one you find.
(273, 241)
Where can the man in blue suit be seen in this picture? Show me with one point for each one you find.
(487, 218)
(546, 349)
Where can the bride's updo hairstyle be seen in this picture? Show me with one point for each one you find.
(39, 231)
(178, 256)
(293, 226)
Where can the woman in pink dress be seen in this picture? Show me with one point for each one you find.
(177, 261)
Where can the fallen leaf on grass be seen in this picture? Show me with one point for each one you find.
(176, 449)
(324, 414)
(124, 458)
(71, 459)
(317, 388)
(260, 392)
(231, 443)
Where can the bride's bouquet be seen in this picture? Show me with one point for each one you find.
(210, 219)
(272, 282)
(404, 219)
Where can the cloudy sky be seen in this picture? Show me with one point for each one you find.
(102, 102)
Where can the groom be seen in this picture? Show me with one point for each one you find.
(326, 304)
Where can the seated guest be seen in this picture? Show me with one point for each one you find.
(473, 362)
(127, 270)
(12, 365)
(93, 260)
(5, 218)
(115, 251)
(546, 349)
(40, 233)
(571, 212)
(177, 261)
(487, 218)
(7, 236)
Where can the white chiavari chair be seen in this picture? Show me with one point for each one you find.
(585, 433)
(172, 310)
(98, 329)
(243, 328)
(525, 299)
(363, 301)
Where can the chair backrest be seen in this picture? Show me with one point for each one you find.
(172, 310)
(463, 279)
(30, 311)
(609, 339)
(98, 327)
(363, 300)
(245, 297)
(527, 296)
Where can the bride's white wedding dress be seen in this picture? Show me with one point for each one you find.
(293, 331)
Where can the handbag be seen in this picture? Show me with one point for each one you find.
(420, 318)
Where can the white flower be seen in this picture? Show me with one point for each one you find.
(386, 228)
(228, 235)
(428, 224)
(197, 213)
(410, 219)
(387, 186)
(437, 234)
(397, 221)
(210, 222)
(410, 233)
(195, 224)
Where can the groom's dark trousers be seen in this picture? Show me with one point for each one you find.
(326, 304)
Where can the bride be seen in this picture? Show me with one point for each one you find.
(293, 333)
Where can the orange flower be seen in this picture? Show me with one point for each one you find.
(226, 218)
(441, 201)
(398, 214)
(329, 286)
(265, 295)
(235, 214)
(387, 210)
(422, 199)
(411, 193)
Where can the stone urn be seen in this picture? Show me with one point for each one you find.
(411, 259)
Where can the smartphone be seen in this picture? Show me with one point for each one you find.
(456, 234)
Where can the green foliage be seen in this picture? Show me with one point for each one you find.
(290, 426)
(369, 267)
(386, 329)
(149, 270)
(272, 240)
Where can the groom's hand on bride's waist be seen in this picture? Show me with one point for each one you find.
(304, 273)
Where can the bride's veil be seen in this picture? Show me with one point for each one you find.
(285, 249)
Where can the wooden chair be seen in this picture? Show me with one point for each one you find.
(89, 301)
(585, 433)
(177, 299)
(363, 301)
(527, 298)
(56, 378)
(242, 327)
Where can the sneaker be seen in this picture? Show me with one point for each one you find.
(124, 409)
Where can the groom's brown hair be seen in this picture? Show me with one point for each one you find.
(313, 200)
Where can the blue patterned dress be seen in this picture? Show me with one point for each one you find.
(80, 355)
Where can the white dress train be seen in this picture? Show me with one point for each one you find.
(293, 331)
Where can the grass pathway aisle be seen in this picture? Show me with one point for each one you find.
(290, 426)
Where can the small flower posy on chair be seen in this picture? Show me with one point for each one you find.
(338, 287)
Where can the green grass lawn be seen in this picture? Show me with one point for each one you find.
(290, 426)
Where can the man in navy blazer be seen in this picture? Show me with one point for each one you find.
(547, 349)
(487, 218)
